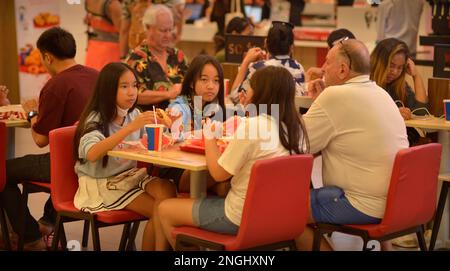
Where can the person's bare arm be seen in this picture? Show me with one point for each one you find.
(100, 149)
(154, 97)
(115, 12)
(254, 54)
(125, 25)
(211, 130)
(419, 87)
(40, 140)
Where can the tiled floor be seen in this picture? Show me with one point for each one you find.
(110, 236)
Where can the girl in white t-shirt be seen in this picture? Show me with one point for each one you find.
(259, 137)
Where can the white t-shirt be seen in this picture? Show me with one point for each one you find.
(261, 141)
(359, 130)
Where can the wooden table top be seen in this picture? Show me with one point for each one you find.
(429, 123)
(14, 123)
(170, 157)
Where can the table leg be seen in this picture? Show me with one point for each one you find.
(11, 139)
(443, 235)
(198, 184)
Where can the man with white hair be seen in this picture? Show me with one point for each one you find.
(159, 67)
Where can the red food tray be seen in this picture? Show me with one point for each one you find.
(193, 148)
(12, 115)
(198, 146)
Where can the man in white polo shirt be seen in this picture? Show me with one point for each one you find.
(358, 129)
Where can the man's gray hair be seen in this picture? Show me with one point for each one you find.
(152, 12)
(357, 51)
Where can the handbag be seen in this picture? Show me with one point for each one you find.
(235, 11)
(127, 180)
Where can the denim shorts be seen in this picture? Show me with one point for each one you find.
(209, 214)
(329, 205)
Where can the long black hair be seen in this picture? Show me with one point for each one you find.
(103, 101)
(275, 85)
(194, 73)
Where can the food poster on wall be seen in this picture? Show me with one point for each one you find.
(33, 17)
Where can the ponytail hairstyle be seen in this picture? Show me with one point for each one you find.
(280, 38)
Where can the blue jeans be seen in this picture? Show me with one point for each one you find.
(329, 205)
(23, 169)
(209, 214)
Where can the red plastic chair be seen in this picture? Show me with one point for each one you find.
(29, 187)
(64, 184)
(275, 210)
(410, 203)
(3, 224)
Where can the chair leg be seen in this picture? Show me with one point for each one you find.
(365, 243)
(439, 212)
(317, 239)
(421, 238)
(63, 239)
(24, 202)
(95, 234)
(5, 232)
(85, 234)
(131, 243)
(125, 236)
(58, 227)
(292, 246)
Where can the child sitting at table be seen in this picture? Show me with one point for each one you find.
(203, 81)
(278, 134)
(110, 118)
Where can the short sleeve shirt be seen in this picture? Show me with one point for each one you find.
(256, 138)
(64, 97)
(151, 75)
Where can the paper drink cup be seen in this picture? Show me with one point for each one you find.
(154, 136)
(447, 109)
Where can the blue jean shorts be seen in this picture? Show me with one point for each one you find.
(329, 205)
(209, 214)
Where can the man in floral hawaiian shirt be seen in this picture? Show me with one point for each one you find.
(160, 68)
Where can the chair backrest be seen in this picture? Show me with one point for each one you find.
(276, 206)
(3, 143)
(411, 199)
(64, 180)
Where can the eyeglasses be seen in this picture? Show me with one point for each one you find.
(341, 42)
(274, 23)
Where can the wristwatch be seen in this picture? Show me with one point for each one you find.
(31, 115)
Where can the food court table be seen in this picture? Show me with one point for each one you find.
(443, 129)
(11, 125)
(172, 157)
